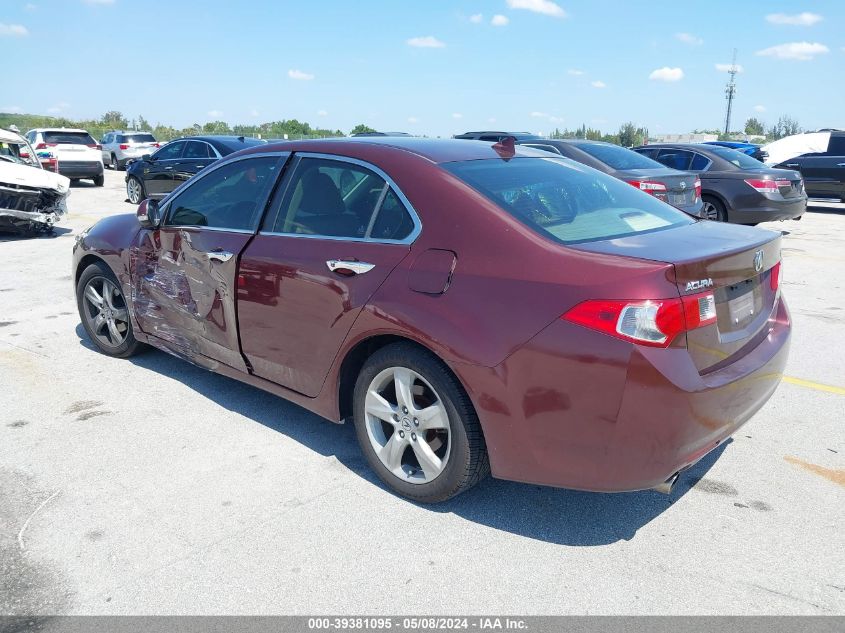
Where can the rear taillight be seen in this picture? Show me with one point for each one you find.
(763, 186)
(655, 323)
(45, 145)
(123, 146)
(783, 182)
(649, 186)
(156, 144)
(697, 188)
(95, 146)
(775, 276)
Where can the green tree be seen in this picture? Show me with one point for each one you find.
(630, 135)
(361, 129)
(114, 119)
(754, 126)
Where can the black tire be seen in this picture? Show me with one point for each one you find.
(129, 190)
(467, 462)
(721, 212)
(92, 275)
(114, 163)
(99, 181)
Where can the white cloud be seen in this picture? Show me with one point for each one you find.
(413, 119)
(492, 119)
(11, 109)
(546, 7)
(30, 7)
(689, 38)
(799, 19)
(214, 114)
(429, 41)
(13, 30)
(556, 119)
(575, 72)
(457, 115)
(499, 20)
(723, 68)
(759, 108)
(540, 115)
(299, 75)
(322, 113)
(598, 84)
(476, 18)
(667, 74)
(803, 51)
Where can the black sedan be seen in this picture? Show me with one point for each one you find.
(735, 187)
(157, 175)
(680, 189)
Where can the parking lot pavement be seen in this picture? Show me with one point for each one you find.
(150, 486)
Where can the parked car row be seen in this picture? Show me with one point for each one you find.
(77, 154)
(469, 306)
(704, 180)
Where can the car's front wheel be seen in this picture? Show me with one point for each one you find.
(714, 209)
(416, 426)
(114, 163)
(134, 190)
(104, 312)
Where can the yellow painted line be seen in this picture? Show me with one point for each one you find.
(814, 385)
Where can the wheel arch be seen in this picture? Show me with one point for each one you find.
(357, 356)
(712, 193)
(85, 262)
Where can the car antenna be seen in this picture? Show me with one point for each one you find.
(506, 147)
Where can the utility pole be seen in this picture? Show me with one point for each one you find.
(730, 93)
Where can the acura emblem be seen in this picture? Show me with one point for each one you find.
(758, 261)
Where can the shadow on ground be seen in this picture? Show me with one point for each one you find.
(58, 231)
(547, 514)
(815, 206)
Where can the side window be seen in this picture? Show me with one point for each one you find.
(230, 197)
(331, 198)
(699, 162)
(196, 149)
(170, 151)
(492, 139)
(393, 221)
(675, 158)
(650, 153)
(836, 145)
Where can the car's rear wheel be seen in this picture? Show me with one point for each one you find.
(714, 209)
(104, 312)
(114, 163)
(416, 426)
(135, 190)
(99, 181)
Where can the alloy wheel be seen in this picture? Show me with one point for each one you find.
(105, 311)
(407, 425)
(710, 211)
(133, 190)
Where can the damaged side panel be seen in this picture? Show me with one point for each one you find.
(184, 297)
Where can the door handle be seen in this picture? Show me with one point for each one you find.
(793, 165)
(840, 164)
(199, 166)
(219, 256)
(343, 266)
(168, 169)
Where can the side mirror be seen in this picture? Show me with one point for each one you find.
(149, 216)
(147, 158)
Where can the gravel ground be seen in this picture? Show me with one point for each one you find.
(149, 486)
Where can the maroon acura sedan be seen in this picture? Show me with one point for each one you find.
(472, 307)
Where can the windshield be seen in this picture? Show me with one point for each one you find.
(20, 153)
(568, 202)
(741, 160)
(618, 157)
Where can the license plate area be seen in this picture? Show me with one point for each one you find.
(738, 305)
(678, 199)
(741, 309)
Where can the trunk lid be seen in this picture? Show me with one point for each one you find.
(680, 186)
(735, 263)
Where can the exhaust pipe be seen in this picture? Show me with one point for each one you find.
(666, 486)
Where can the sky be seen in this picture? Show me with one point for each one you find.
(431, 67)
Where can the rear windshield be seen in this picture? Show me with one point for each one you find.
(69, 138)
(569, 202)
(136, 138)
(741, 160)
(618, 157)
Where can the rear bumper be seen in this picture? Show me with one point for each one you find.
(577, 409)
(74, 169)
(770, 211)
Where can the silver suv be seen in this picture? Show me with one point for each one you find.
(120, 147)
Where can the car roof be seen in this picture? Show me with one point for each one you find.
(516, 135)
(435, 150)
(72, 130)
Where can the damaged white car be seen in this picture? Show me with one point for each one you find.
(32, 199)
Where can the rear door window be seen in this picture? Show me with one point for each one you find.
(196, 149)
(617, 157)
(836, 145)
(565, 201)
(675, 158)
(699, 162)
(230, 197)
(170, 151)
(330, 198)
